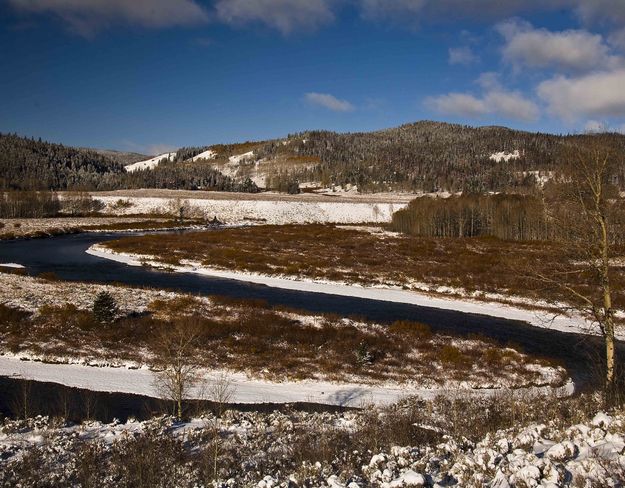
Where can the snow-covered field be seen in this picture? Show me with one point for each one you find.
(536, 318)
(270, 211)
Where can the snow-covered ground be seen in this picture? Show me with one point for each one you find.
(272, 211)
(149, 163)
(210, 154)
(547, 455)
(245, 390)
(536, 318)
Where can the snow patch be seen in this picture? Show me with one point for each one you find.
(11, 265)
(241, 157)
(149, 163)
(210, 154)
(505, 156)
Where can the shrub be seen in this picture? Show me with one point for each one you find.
(453, 356)
(417, 329)
(105, 308)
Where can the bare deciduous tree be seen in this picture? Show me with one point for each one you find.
(175, 349)
(585, 211)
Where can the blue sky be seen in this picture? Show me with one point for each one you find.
(151, 75)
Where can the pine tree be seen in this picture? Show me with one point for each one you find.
(105, 308)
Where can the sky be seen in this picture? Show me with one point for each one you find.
(150, 76)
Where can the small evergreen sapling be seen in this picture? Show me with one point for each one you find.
(105, 308)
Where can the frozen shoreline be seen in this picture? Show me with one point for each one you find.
(576, 325)
(245, 390)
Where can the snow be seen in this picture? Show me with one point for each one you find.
(11, 265)
(149, 163)
(267, 439)
(241, 157)
(246, 390)
(210, 154)
(536, 318)
(277, 212)
(505, 156)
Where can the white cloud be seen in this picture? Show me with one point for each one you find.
(462, 55)
(595, 95)
(88, 16)
(416, 10)
(617, 39)
(329, 101)
(461, 104)
(602, 11)
(595, 127)
(495, 100)
(283, 15)
(570, 50)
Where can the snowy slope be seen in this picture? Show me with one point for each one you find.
(149, 163)
(210, 154)
(241, 157)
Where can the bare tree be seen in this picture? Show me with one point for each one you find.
(175, 349)
(585, 213)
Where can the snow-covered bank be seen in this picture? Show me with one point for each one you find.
(533, 317)
(273, 211)
(246, 390)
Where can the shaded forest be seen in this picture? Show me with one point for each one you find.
(34, 165)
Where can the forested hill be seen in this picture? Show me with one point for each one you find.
(428, 156)
(29, 164)
(32, 164)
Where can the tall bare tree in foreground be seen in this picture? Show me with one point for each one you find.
(175, 349)
(585, 212)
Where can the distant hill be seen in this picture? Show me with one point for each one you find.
(424, 156)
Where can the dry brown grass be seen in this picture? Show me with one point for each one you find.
(352, 255)
(271, 343)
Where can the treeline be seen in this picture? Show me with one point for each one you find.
(509, 217)
(187, 176)
(505, 216)
(41, 204)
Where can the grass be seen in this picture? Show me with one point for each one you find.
(469, 265)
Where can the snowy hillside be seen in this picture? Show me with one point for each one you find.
(149, 163)
(210, 154)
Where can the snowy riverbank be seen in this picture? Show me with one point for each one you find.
(245, 390)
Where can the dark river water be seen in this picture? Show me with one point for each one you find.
(65, 256)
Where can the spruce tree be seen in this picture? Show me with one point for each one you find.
(105, 308)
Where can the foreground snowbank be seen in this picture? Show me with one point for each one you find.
(536, 318)
(245, 390)
(260, 450)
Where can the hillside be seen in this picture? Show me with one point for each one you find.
(424, 156)
(29, 164)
